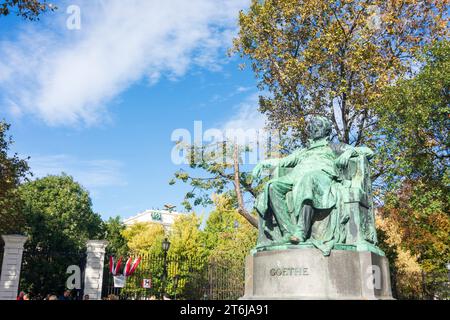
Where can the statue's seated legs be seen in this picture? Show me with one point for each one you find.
(311, 194)
(278, 188)
(305, 219)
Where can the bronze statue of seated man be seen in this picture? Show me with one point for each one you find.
(314, 180)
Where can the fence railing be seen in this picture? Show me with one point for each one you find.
(179, 278)
(421, 285)
(44, 273)
(183, 278)
(2, 246)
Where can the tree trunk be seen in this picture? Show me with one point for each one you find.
(237, 186)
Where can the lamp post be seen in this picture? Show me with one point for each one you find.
(175, 284)
(165, 247)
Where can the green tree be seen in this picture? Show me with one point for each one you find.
(414, 121)
(185, 237)
(227, 234)
(217, 169)
(13, 171)
(229, 237)
(187, 257)
(416, 125)
(216, 162)
(28, 9)
(59, 221)
(145, 238)
(117, 244)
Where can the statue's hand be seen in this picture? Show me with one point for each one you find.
(368, 153)
(342, 161)
(256, 173)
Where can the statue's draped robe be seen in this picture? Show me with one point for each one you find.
(314, 178)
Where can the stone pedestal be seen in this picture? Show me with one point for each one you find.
(12, 262)
(307, 274)
(93, 277)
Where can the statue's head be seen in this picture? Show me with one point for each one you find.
(318, 127)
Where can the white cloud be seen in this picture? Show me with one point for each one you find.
(247, 115)
(243, 89)
(67, 77)
(248, 127)
(14, 109)
(92, 174)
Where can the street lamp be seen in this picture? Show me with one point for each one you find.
(165, 247)
(175, 284)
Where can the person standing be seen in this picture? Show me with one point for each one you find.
(20, 296)
(66, 296)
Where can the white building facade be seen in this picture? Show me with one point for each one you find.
(164, 217)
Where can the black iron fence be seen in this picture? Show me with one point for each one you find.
(45, 273)
(158, 277)
(420, 285)
(2, 248)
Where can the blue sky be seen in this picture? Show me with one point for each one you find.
(101, 102)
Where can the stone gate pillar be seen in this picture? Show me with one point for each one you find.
(12, 262)
(93, 277)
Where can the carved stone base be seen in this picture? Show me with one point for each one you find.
(307, 274)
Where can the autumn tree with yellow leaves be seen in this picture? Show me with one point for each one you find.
(144, 237)
(333, 57)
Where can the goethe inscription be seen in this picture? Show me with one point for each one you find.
(289, 272)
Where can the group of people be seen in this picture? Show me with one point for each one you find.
(66, 296)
